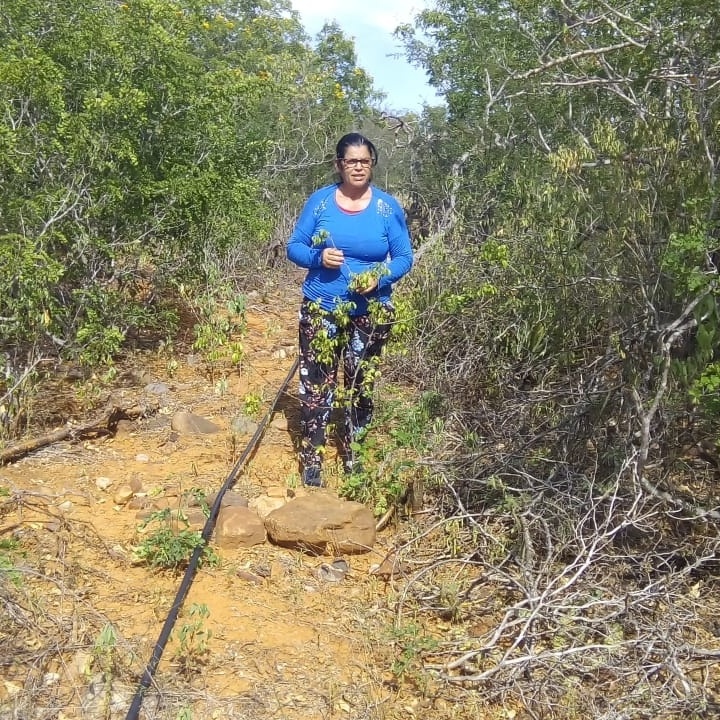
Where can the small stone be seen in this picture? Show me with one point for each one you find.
(142, 458)
(12, 689)
(123, 494)
(81, 664)
(277, 570)
(65, 506)
(140, 503)
(280, 423)
(190, 424)
(280, 354)
(278, 492)
(157, 388)
(195, 518)
(124, 427)
(229, 499)
(103, 483)
(239, 527)
(51, 678)
(243, 425)
(264, 505)
(249, 577)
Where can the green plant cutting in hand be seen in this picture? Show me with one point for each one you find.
(368, 280)
(361, 283)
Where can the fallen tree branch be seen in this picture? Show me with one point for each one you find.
(105, 424)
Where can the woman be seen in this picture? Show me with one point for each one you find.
(352, 238)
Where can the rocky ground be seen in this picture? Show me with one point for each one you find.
(283, 625)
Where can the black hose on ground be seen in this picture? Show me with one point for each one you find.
(193, 563)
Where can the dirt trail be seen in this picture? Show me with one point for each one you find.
(287, 646)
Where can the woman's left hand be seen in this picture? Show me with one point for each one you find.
(372, 284)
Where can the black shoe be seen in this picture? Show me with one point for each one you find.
(311, 476)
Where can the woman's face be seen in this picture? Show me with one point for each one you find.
(356, 167)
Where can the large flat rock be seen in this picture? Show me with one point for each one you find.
(320, 522)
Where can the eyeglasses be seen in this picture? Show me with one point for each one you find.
(355, 162)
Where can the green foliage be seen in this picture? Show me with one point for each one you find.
(9, 551)
(378, 491)
(170, 542)
(105, 649)
(27, 275)
(388, 455)
(578, 211)
(252, 404)
(99, 342)
(359, 282)
(134, 148)
(412, 643)
(218, 330)
(687, 259)
(705, 391)
(194, 640)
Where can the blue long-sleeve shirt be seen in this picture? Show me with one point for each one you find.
(376, 235)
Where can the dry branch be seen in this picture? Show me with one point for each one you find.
(104, 424)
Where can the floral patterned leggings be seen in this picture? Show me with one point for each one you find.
(324, 339)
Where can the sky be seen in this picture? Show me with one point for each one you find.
(371, 23)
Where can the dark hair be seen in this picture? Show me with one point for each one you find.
(354, 139)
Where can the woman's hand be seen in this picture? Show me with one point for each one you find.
(332, 258)
(368, 287)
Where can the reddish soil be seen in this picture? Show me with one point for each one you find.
(287, 646)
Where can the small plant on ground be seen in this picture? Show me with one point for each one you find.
(379, 490)
(388, 454)
(8, 566)
(105, 656)
(171, 542)
(411, 642)
(217, 330)
(194, 640)
(252, 404)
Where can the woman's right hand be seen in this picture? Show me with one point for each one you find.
(332, 258)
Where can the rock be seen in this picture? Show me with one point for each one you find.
(190, 424)
(239, 527)
(103, 483)
(332, 572)
(157, 388)
(103, 699)
(12, 689)
(66, 506)
(243, 425)
(196, 518)
(279, 423)
(229, 499)
(51, 678)
(263, 505)
(321, 521)
(141, 503)
(279, 491)
(142, 458)
(124, 427)
(123, 494)
(249, 577)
